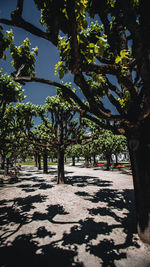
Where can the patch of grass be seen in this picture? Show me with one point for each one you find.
(27, 163)
(32, 163)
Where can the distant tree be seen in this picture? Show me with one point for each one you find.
(74, 151)
(109, 144)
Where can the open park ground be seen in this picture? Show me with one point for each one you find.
(88, 222)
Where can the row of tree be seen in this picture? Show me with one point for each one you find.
(60, 132)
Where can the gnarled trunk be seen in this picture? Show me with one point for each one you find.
(60, 159)
(139, 149)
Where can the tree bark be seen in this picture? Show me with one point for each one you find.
(39, 162)
(139, 150)
(3, 162)
(86, 161)
(36, 160)
(45, 166)
(73, 161)
(108, 163)
(116, 156)
(60, 159)
(94, 160)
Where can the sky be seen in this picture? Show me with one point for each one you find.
(48, 54)
(47, 57)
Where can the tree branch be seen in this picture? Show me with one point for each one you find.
(102, 69)
(21, 23)
(73, 33)
(68, 93)
(96, 106)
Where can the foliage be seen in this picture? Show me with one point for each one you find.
(24, 59)
(5, 41)
(10, 91)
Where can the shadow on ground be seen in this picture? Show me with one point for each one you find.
(82, 181)
(25, 250)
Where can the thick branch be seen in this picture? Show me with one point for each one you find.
(96, 106)
(73, 33)
(102, 69)
(68, 93)
(21, 23)
(20, 6)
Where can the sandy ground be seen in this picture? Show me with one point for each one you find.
(89, 221)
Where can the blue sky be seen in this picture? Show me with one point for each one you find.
(47, 57)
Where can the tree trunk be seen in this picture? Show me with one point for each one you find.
(60, 159)
(108, 163)
(94, 160)
(116, 156)
(6, 166)
(39, 162)
(73, 161)
(45, 166)
(36, 160)
(3, 162)
(139, 149)
(86, 161)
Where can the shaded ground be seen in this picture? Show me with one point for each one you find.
(89, 221)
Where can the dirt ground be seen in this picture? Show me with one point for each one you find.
(88, 222)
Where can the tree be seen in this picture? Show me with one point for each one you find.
(109, 143)
(117, 45)
(59, 129)
(15, 129)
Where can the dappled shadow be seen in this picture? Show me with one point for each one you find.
(126, 171)
(25, 251)
(83, 181)
(33, 187)
(89, 230)
(96, 232)
(52, 211)
(15, 210)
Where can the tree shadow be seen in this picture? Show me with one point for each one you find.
(25, 251)
(82, 181)
(107, 249)
(32, 188)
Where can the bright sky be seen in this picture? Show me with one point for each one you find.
(47, 57)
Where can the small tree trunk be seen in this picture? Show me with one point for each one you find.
(60, 159)
(139, 149)
(116, 159)
(3, 162)
(73, 161)
(86, 161)
(108, 163)
(6, 166)
(39, 162)
(94, 160)
(36, 160)
(45, 166)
